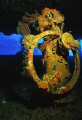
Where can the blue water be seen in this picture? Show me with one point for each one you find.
(11, 45)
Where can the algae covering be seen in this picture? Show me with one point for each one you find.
(57, 78)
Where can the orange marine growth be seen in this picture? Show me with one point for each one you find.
(50, 19)
(43, 86)
(56, 79)
(54, 15)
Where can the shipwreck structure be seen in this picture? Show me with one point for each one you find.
(57, 79)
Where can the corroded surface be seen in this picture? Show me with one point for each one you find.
(57, 78)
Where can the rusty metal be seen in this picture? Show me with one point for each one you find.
(57, 79)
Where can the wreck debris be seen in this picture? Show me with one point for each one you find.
(27, 19)
(55, 52)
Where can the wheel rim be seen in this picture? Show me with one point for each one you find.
(40, 82)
